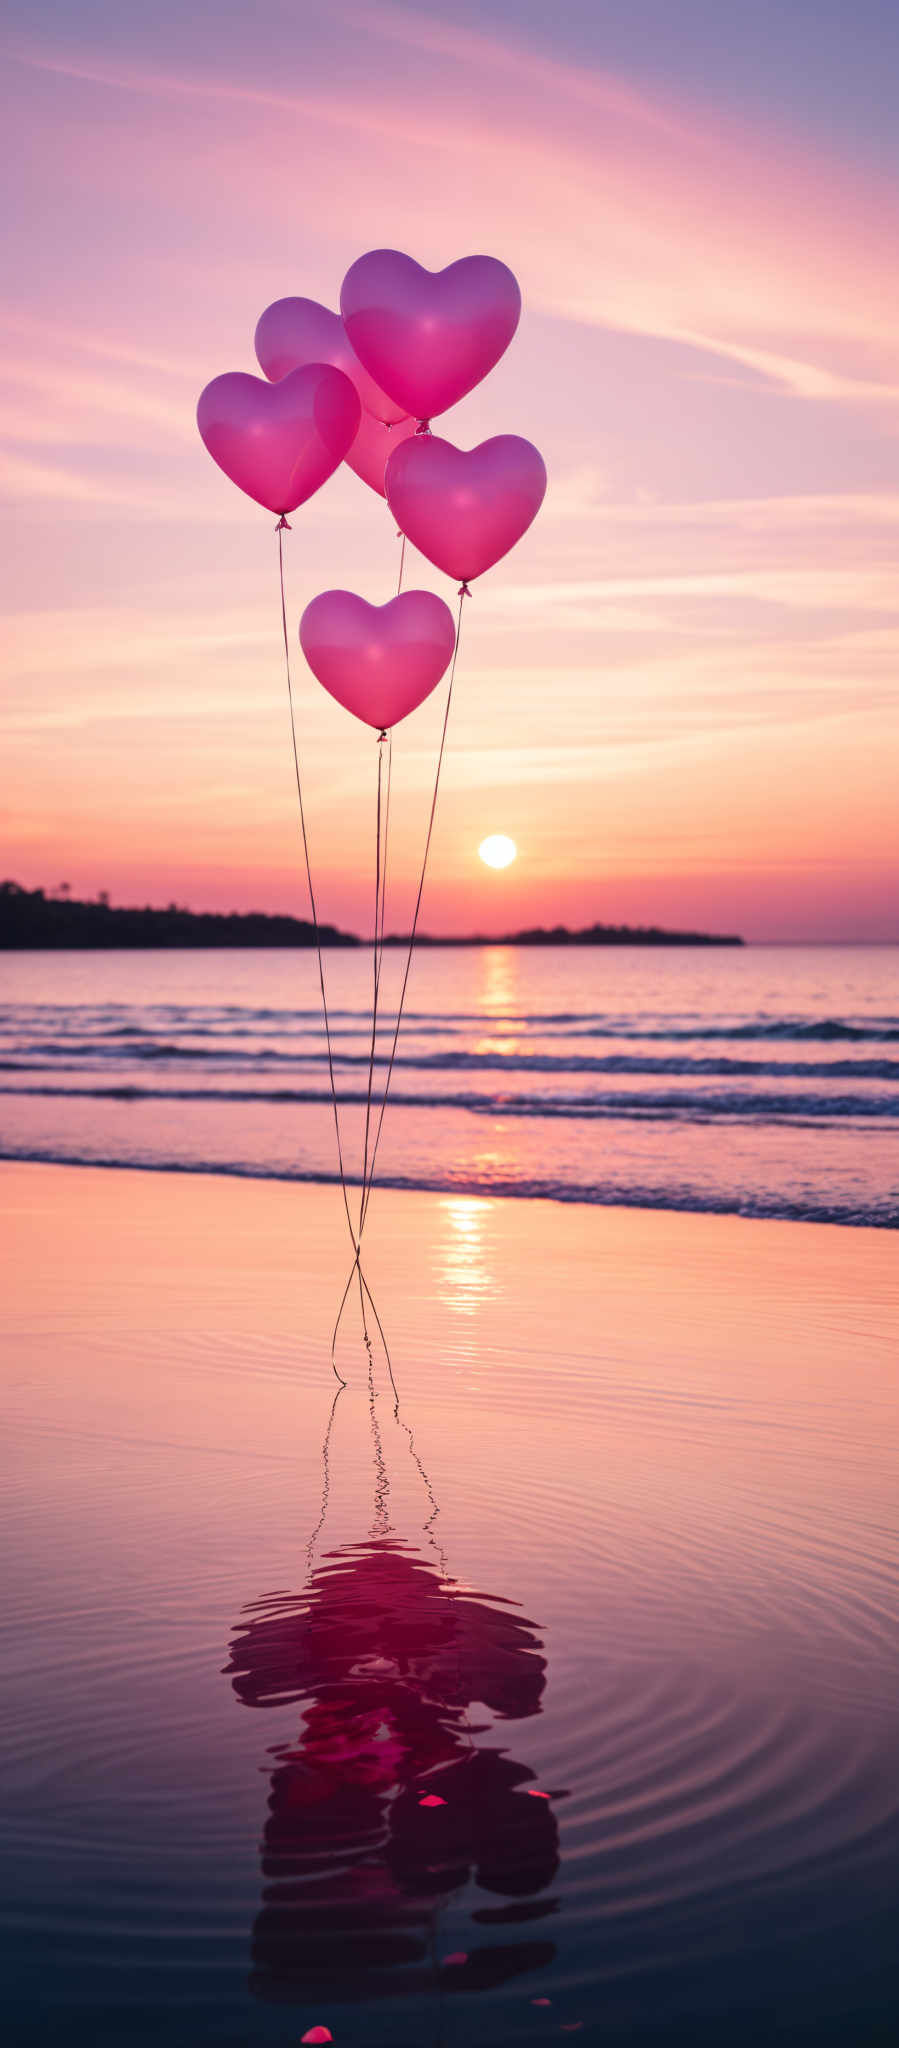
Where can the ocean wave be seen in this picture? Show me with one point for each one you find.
(676, 1106)
(880, 1213)
(78, 1054)
(165, 1021)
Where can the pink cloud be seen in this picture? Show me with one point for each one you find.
(617, 207)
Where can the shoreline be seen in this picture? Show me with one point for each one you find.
(329, 942)
(365, 942)
(444, 1191)
(32, 921)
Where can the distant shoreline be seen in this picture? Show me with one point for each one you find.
(560, 935)
(33, 922)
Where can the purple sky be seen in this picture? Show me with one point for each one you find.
(679, 694)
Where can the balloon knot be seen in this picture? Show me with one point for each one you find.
(463, 590)
(382, 736)
(423, 427)
(285, 523)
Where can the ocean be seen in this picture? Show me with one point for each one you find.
(761, 1081)
(541, 1679)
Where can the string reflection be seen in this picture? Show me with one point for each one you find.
(391, 1799)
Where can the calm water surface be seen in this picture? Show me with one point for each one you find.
(762, 1082)
(561, 1696)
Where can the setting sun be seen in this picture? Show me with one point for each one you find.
(497, 851)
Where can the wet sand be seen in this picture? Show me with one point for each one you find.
(666, 1443)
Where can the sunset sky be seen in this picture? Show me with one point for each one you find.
(678, 695)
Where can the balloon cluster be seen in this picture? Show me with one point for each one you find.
(362, 386)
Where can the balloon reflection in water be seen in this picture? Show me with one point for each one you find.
(385, 1657)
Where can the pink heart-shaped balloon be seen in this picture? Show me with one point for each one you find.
(294, 332)
(463, 508)
(428, 336)
(379, 661)
(373, 447)
(279, 442)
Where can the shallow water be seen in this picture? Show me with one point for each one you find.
(761, 1081)
(615, 1581)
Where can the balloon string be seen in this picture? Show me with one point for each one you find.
(282, 524)
(380, 909)
(376, 974)
(380, 913)
(384, 860)
(366, 1194)
(355, 1268)
(463, 593)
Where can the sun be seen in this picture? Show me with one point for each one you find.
(497, 851)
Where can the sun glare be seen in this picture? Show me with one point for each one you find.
(497, 851)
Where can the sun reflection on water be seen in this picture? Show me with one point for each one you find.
(464, 1272)
(498, 990)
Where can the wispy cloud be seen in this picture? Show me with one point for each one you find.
(826, 587)
(623, 207)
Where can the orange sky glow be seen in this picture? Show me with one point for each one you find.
(678, 694)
